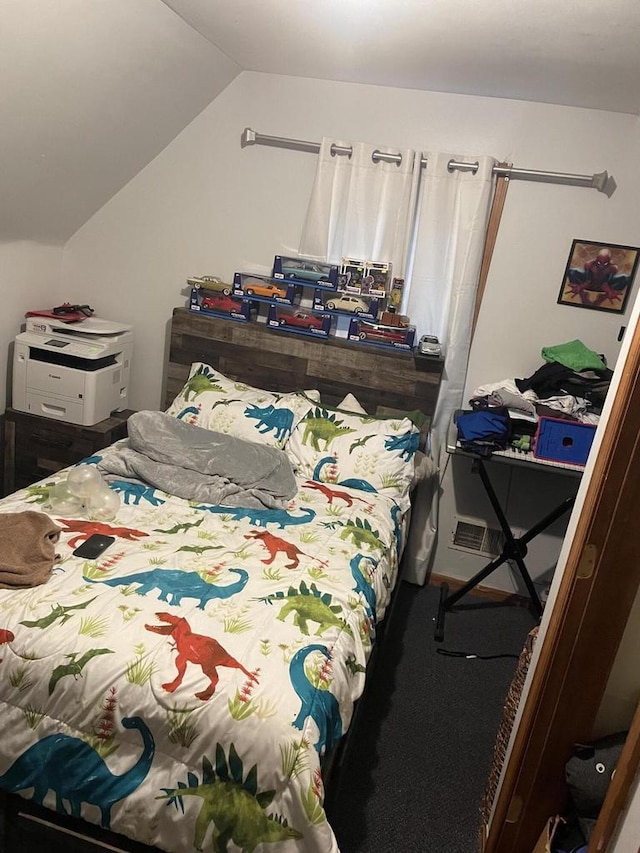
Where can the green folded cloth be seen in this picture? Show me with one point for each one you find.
(574, 355)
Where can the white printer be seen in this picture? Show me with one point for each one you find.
(74, 372)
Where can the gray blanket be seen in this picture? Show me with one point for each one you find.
(201, 465)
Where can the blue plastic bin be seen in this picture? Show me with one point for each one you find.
(559, 440)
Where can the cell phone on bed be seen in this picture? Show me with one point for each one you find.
(92, 547)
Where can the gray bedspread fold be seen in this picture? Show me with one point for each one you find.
(200, 464)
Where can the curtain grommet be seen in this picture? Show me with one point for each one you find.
(453, 166)
(377, 156)
(336, 150)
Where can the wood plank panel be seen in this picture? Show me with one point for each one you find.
(385, 381)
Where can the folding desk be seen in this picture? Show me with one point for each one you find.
(515, 547)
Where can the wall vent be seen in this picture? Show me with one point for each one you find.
(475, 537)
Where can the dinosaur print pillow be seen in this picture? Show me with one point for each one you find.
(358, 451)
(211, 400)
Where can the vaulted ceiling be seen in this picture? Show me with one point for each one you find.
(92, 90)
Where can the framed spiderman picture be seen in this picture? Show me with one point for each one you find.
(599, 276)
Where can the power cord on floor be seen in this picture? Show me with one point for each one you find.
(471, 656)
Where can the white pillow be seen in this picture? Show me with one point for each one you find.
(351, 404)
(359, 451)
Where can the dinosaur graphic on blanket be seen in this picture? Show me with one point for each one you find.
(231, 805)
(6, 636)
(58, 611)
(408, 443)
(363, 586)
(319, 426)
(205, 652)
(189, 414)
(201, 381)
(175, 584)
(308, 604)
(181, 527)
(74, 771)
(333, 494)
(360, 532)
(133, 493)
(85, 529)
(320, 705)
(271, 418)
(39, 494)
(262, 517)
(74, 666)
(276, 545)
(351, 482)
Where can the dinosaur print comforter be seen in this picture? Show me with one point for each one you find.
(182, 688)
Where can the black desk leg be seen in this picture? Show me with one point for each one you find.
(514, 549)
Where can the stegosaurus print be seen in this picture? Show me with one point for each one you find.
(360, 532)
(231, 805)
(308, 604)
(319, 425)
(202, 380)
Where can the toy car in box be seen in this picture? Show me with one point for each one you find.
(305, 271)
(395, 337)
(263, 288)
(299, 320)
(210, 302)
(210, 282)
(342, 302)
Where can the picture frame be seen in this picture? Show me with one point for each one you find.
(599, 276)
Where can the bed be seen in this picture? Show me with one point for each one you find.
(189, 688)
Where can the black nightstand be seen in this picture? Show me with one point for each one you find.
(35, 447)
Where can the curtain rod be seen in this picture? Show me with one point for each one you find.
(602, 181)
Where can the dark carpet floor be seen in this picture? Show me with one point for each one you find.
(417, 766)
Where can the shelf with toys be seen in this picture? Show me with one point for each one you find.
(361, 294)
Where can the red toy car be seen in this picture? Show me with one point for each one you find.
(380, 333)
(220, 302)
(300, 319)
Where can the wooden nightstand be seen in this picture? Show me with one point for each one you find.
(35, 447)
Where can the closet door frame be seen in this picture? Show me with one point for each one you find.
(598, 588)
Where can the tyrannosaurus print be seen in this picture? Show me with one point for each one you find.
(276, 545)
(85, 529)
(204, 651)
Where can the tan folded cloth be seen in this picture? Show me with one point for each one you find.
(27, 548)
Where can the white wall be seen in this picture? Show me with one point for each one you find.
(29, 279)
(205, 205)
(91, 91)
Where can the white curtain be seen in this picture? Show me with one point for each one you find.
(361, 208)
(430, 223)
(453, 212)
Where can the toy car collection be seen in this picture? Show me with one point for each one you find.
(398, 337)
(210, 282)
(262, 287)
(357, 294)
(381, 333)
(220, 303)
(257, 288)
(301, 320)
(429, 345)
(347, 302)
(305, 271)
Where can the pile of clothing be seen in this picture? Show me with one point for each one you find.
(572, 384)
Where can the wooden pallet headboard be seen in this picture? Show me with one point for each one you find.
(385, 382)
